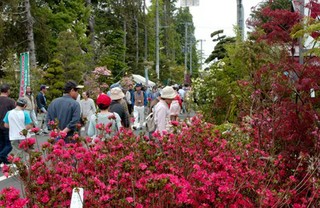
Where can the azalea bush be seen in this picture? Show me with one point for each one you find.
(195, 165)
(10, 197)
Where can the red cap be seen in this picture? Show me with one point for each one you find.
(104, 99)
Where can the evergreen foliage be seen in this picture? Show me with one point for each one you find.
(84, 34)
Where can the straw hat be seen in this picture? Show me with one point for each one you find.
(168, 93)
(116, 93)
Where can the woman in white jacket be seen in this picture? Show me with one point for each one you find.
(162, 109)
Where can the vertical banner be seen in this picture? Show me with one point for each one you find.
(24, 73)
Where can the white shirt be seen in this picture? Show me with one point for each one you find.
(88, 108)
(128, 97)
(181, 93)
(17, 120)
(161, 113)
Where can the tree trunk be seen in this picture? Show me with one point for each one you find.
(137, 41)
(145, 32)
(91, 24)
(31, 45)
(124, 40)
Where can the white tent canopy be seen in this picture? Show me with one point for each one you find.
(140, 79)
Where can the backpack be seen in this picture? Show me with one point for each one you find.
(150, 123)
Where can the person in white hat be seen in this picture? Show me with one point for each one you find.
(162, 110)
(119, 106)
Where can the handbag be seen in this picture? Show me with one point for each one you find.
(150, 123)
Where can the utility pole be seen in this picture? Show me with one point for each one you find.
(240, 19)
(191, 42)
(302, 2)
(157, 40)
(201, 53)
(186, 50)
(124, 39)
(146, 72)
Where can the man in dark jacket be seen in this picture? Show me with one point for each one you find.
(66, 109)
(6, 104)
(42, 109)
(117, 96)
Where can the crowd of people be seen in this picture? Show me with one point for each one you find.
(120, 107)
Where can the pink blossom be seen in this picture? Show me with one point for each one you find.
(53, 134)
(50, 123)
(44, 199)
(27, 143)
(100, 126)
(35, 130)
(292, 178)
(75, 136)
(175, 123)
(63, 134)
(129, 199)
(142, 166)
(40, 180)
(88, 139)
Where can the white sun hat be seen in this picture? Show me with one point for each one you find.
(116, 93)
(168, 93)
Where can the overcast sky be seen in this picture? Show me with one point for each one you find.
(212, 15)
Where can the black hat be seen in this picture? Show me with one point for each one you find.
(139, 85)
(43, 87)
(71, 85)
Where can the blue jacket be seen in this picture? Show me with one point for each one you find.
(132, 96)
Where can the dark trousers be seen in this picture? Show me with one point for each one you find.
(5, 144)
(130, 109)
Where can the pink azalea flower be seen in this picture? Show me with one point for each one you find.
(129, 199)
(88, 139)
(53, 134)
(142, 166)
(44, 199)
(75, 136)
(99, 126)
(15, 159)
(40, 180)
(175, 123)
(27, 143)
(35, 130)
(50, 123)
(63, 134)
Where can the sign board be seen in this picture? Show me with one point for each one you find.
(24, 73)
(188, 3)
(312, 93)
(77, 198)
